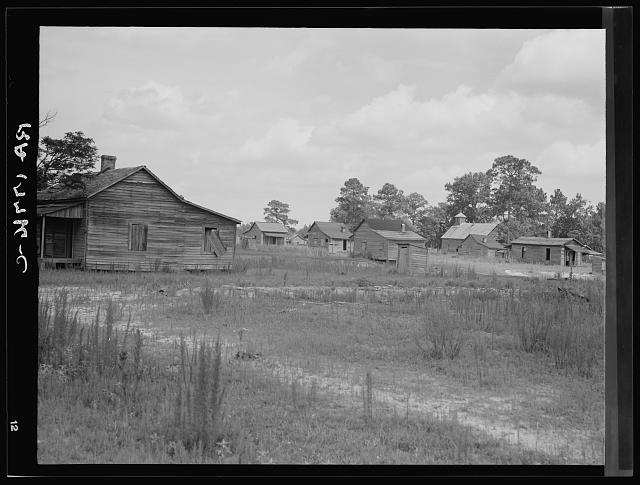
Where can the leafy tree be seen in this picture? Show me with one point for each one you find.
(63, 161)
(277, 211)
(389, 201)
(513, 195)
(414, 206)
(557, 209)
(433, 223)
(354, 203)
(470, 194)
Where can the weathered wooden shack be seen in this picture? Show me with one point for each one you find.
(456, 234)
(264, 234)
(378, 239)
(566, 251)
(481, 246)
(333, 236)
(128, 219)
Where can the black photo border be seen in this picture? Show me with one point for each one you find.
(22, 21)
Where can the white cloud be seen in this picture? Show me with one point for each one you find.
(287, 136)
(565, 62)
(152, 106)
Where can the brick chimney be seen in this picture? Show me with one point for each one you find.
(107, 162)
(484, 239)
(548, 234)
(403, 226)
(341, 228)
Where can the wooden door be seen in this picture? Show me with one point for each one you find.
(403, 259)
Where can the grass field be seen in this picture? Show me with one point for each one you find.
(292, 358)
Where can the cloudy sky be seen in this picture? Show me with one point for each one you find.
(232, 118)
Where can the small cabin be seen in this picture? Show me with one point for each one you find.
(566, 251)
(128, 219)
(378, 239)
(335, 237)
(264, 234)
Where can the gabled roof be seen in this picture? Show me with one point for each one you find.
(391, 229)
(332, 230)
(461, 231)
(95, 183)
(460, 214)
(383, 224)
(490, 243)
(276, 227)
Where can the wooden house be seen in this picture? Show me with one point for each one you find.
(566, 251)
(264, 234)
(481, 246)
(335, 237)
(128, 219)
(378, 239)
(456, 234)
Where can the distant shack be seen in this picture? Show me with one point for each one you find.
(456, 234)
(481, 246)
(335, 237)
(378, 239)
(566, 251)
(264, 234)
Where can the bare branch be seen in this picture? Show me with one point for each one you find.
(47, 118)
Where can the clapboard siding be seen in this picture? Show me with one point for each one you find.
(537, 254)
(376, 245)
(175, 234)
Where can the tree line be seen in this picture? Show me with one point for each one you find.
(505, 193)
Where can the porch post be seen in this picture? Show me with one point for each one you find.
(42, 237)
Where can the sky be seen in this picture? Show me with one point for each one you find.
(232, 118)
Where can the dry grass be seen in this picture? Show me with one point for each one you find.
(169, 405)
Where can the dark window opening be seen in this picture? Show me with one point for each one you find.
(524, 250)
(548, 254)
(138, 237)
(344, 244)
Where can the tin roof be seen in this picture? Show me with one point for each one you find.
(543, 241)
(333, 229)
(461, 231)
(391, 229)
(275, 227)
(490, 242)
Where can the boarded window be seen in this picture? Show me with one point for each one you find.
(548, 254)
(138, 237)
(212, 242)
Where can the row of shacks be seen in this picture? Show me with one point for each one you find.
(128, 219)
(378, 239)
(479, 239)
